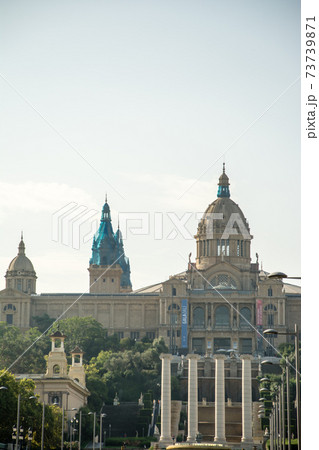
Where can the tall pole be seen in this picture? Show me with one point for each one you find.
(298, 385)
(42, 431)
(62, 433)
(80, 430)
(101, 425)
(288, 405)
(271, 430)
(283, 428)
(279, 417)
(70, 434)
(18, 421)
(94, 420)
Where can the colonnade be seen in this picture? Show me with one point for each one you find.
(192, 410)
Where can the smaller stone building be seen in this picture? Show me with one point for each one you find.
(59, 385)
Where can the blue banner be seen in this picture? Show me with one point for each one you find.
(184, 323)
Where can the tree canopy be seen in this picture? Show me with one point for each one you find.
(14, 353)
(30, 412)
(135, 368)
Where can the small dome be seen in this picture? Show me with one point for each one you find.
(21, 262)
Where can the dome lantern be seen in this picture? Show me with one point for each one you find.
(223, 185)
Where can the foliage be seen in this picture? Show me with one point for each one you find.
(128, 372)
(85, 332)
(30, 412)
(176, 388)
(14, 343)
(44, 322)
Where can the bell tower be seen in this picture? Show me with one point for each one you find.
(57, 362)
(76, 371)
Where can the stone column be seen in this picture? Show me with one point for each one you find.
(219, 399)
(247, 428)
(192, 399)
(166, 435)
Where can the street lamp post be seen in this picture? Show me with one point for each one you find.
(42, 431)
(62, 433)
(72, 429)
(288, 405)
(297, 369)
(94, 421)
(18, 421)
(101, 426)
(80, 429)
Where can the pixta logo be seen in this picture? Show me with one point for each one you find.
(74, 224)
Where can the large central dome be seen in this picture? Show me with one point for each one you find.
(223, 232)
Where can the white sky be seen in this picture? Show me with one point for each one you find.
(141, 99)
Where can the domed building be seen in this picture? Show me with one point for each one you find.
(220, 304)
(221, 301)
(21, 274)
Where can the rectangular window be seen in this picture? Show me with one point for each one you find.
(227, 247)
(237, 248)
(173, 319)
(218, 247)
(173, 291)
(270, 320)
(221, 344)
(245, 345)
(9, 319)
(150, 335)
(120, 334)
(135, 335)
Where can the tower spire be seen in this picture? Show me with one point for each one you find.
(21, 247)
(223, 185)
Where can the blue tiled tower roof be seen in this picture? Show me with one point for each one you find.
(108, 247)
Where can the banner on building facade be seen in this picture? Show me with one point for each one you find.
(259, 312)
(259, 324)
(184, 323)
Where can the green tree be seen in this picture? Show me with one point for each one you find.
(44, 322)
(128, 372)
(85, 332)
(30, 412)
(22, 352)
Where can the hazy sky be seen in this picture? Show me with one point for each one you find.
(144, 100)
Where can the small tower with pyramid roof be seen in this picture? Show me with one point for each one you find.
(76, 371)
(57, 366)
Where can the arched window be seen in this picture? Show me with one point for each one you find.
(245, 317)
(56, 369)
(173, 306)
(270, 307)
(222, 316)
(199, 317)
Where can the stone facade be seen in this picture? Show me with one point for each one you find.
(66, 388)
(220, 302)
